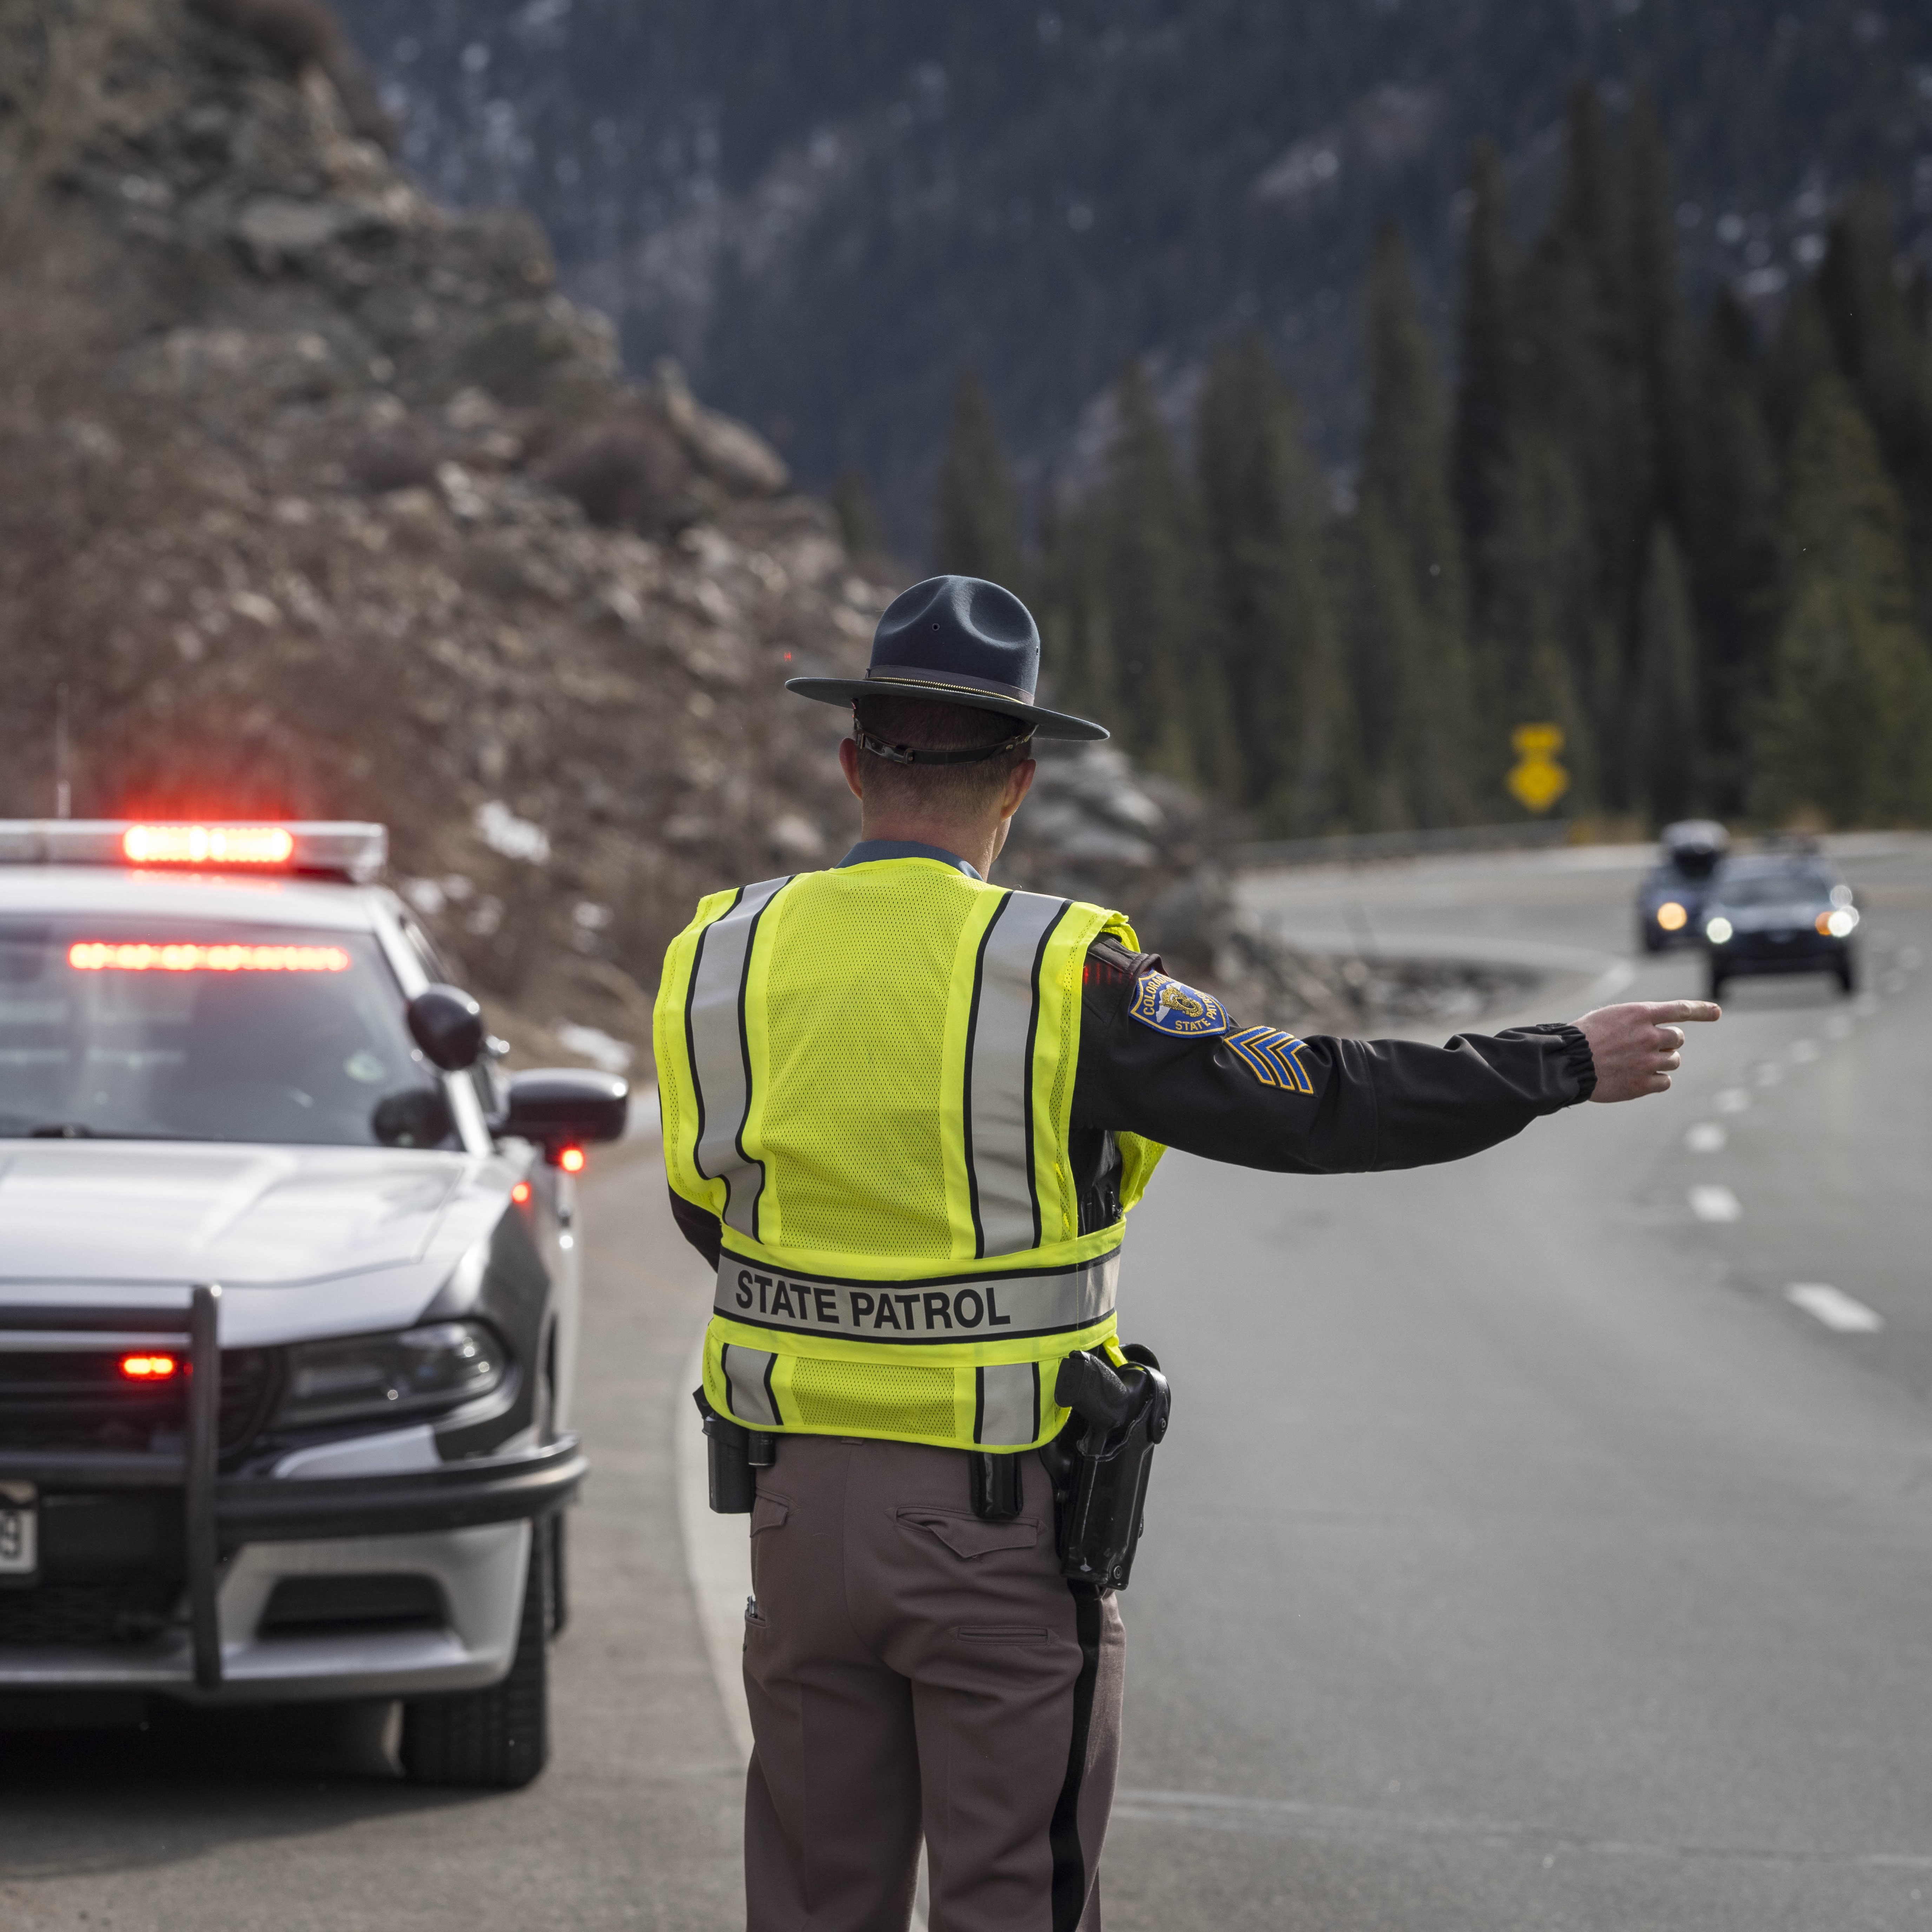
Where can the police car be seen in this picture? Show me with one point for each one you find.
(289, 1295)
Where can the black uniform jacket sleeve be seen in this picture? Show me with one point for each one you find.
(1372, 1104)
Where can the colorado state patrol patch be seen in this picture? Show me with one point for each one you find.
(1169, 1006)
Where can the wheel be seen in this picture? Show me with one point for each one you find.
(497, 1738)
(1649, 938)
(559, 1573)
(1716, 989)
(1848, 976)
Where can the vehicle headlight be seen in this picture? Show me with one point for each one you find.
(416, 1372)
(1718, 931)
(1671, 916)
(1837, 925)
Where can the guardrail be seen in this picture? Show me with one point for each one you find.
(1357, 848)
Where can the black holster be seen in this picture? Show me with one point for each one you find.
(1100, 1462)
(732, 1455)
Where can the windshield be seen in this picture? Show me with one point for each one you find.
(210, 1031)
(1787, 885)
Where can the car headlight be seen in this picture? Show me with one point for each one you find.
(416, 1372)
(1671, 916)
(1837, 925)
(1718, 931)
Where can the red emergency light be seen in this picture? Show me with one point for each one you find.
(150, 1368)
(207, 845)
(102, 955)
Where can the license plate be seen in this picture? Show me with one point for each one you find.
(19, 1552)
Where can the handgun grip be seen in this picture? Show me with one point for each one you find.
(1087, 1385)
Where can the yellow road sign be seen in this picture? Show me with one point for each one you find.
(1536, 779)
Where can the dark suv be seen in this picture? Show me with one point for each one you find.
(1783, 910)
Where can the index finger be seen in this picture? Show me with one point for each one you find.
(1671, 1010)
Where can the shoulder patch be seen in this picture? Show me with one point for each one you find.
(1169, 1006)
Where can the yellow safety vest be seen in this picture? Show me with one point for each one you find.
(867, 1075)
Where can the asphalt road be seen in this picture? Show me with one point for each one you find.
(1522, 1557)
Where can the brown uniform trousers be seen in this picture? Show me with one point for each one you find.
(913, 1670)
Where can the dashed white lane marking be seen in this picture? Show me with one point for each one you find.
(1706, 1137)
(1804, 1051)
(1714, 1201)
(1837, 1309)
(1733, 1100)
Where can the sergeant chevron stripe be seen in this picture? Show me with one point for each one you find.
(1271, 1056)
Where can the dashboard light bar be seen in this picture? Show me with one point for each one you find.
(149, 1368)
(100, 955)
(207, 845)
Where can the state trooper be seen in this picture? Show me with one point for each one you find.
(905, 1113)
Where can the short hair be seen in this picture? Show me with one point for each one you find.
(919, 724)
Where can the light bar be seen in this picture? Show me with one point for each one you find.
(343, 849)
(102, 956)
(209, 844)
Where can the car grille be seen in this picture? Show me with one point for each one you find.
(78, 1399)
(122, 1610)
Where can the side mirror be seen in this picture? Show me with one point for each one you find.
(561, 1107)
(413, 1116)
(448, 1024)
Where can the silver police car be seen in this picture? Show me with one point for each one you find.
(289, 1295)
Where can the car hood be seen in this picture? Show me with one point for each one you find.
(300, 1240)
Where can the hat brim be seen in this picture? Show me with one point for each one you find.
(1047, 724)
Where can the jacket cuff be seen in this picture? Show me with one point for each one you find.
(1578, 1061)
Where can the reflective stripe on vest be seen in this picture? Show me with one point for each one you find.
(1013, 1307)
(998, 1101)
(721, 1068)
(867, 1075)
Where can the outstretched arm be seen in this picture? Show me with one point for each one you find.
(1257, 1097)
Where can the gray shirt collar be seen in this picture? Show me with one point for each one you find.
(869, 850)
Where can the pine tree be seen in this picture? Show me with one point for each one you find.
(1485, 379)
(1659, 352)
(1883, 353)
(1667, 736)
(1848, 728)
(858, 515)
(1732, 521)
(1274, 631)
(1407, 637)
(975, 532)
(1168, 693)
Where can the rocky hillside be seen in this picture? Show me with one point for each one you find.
(317, 498)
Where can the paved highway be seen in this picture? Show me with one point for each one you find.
(1522, 1557)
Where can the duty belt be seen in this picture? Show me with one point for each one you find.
(951, 1308)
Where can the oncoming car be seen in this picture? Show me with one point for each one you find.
(1670, 900)
(1779, 911)
(288, 1289)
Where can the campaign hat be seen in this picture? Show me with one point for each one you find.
(955, 640)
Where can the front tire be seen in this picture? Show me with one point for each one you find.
(497, 1739)
(1717, 986)
(1848, 976)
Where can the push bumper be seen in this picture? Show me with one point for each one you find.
(465, 1525)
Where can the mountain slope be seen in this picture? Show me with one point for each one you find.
(826, 211)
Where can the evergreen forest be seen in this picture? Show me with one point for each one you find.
(1699, 543)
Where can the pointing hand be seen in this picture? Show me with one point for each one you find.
(1637, 1047)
